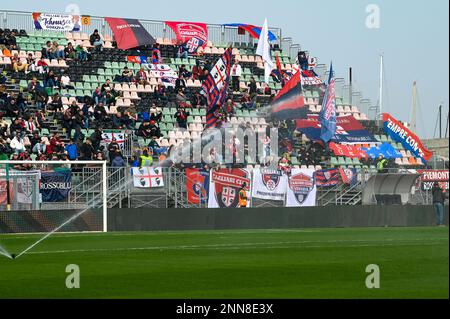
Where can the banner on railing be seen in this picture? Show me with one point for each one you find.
(347, 150)
(385, 149)
(400, 133)
(301, 191)
(164, 72)
(428, 177)
(3, 192)
(224, 186)
(348, 130)
(327, 177)
(269, 184)
(147, 177)
(55, 186)
(56, 22)
(349, 176)
(197, 185)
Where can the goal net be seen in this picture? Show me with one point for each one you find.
(48, 196)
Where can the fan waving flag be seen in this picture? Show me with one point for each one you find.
(278, 72)
(215, 87)
(254, 31)
(129, 33)
(327, 115)
(193, 34)
(290, 102)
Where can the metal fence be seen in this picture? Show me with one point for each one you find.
(217, 33)
(86, 192)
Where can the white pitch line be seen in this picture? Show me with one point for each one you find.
(244, 246)
(153, 233)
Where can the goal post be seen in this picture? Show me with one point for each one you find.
(40, 196)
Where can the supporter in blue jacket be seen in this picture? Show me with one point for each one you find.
(118, 160)
(72, 150)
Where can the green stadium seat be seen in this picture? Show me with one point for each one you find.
(93, 78)
(341, 161)
(334, 161)
(348, 161)
(23, 84)
(169, 119)
(108, 73)
(169, 126)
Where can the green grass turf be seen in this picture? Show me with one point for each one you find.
(310, 263)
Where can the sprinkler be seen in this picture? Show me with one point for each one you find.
(13, 256)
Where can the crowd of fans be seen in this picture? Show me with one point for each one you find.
(28, 136)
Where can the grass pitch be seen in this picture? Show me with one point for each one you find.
(309, 263)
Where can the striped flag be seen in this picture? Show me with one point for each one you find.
(215, 87)
(290, 101)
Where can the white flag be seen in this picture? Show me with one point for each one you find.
(147, 177)
(263, 50)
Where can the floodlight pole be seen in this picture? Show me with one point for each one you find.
(380, 98)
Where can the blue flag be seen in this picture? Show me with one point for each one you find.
(327, 116)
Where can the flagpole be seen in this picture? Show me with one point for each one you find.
(380, 98)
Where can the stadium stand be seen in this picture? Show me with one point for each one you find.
(81, 86)
(60, 95)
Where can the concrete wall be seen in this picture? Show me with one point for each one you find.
(267, 218)
(438, 146)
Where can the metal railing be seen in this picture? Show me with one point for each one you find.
(87, 188)
(217, 33)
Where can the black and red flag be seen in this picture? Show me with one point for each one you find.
(290, 102)
(129, 33)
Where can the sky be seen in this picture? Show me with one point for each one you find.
(412, 35)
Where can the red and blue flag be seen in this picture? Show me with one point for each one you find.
(290, 101)
(215, 87)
